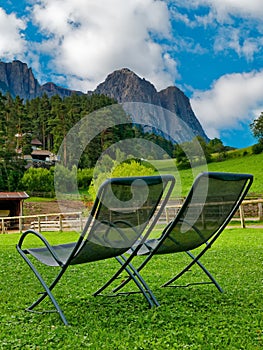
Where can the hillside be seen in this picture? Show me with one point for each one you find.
(252, 164)
(247, 164)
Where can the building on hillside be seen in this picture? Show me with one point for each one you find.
(35, 156)
(36, 144)
(43, 158)
(41, 155)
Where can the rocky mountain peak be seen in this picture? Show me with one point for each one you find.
(177, 102)
(126, 86)
(17, 79)
(51, 89)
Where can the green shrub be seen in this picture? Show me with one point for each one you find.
(65, 179)
(257, 148)
(84, 177)
(38, 179)
(133, 168)
(127, 168)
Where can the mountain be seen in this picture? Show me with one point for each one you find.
(52, 89)
(19, 80)
(175, 101)
(123, 85)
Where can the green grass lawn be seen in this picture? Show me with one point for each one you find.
(39, 199)
(198, 317)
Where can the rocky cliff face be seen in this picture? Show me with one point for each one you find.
(19, 80)
(125, 86)
(175, 101)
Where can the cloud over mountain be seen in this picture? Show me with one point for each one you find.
(90, 41)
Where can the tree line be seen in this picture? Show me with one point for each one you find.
(46, 119)
(49, 120)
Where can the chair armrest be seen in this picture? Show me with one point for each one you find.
(42, 239)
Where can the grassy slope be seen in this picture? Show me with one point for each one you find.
(252, 164)
(241, 164)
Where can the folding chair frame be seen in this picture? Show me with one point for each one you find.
(139, 282)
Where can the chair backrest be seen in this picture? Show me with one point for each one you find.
(120, 215)
(209, 206)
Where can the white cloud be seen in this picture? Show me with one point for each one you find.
(224, 8)
(235, 25)
(251, 8)
(179, 17)
(230, 101)
(12, 43)
(187, 44)
(87, 39)
(238, 40)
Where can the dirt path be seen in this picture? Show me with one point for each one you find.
(50, 207)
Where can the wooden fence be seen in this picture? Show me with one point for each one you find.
(43, 222)
(75, 220)
(242, 215)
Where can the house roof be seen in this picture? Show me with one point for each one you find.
(38, 152)
(36, 142)
(13, 195)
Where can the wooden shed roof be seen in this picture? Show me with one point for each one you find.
(13, 195)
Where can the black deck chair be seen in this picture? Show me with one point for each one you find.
(211, 203)
(125, 211)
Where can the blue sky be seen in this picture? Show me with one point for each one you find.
(210, 49)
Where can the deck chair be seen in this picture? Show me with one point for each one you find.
(124, 211)
(208, 208)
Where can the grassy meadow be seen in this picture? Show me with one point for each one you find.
(252, 164)
(198, 317)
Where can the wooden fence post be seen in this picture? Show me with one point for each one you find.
(39, 224)
(242, 216)
(167, 216)
(80, 222)
(20, 225)
(260, 214)
(60, 223)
